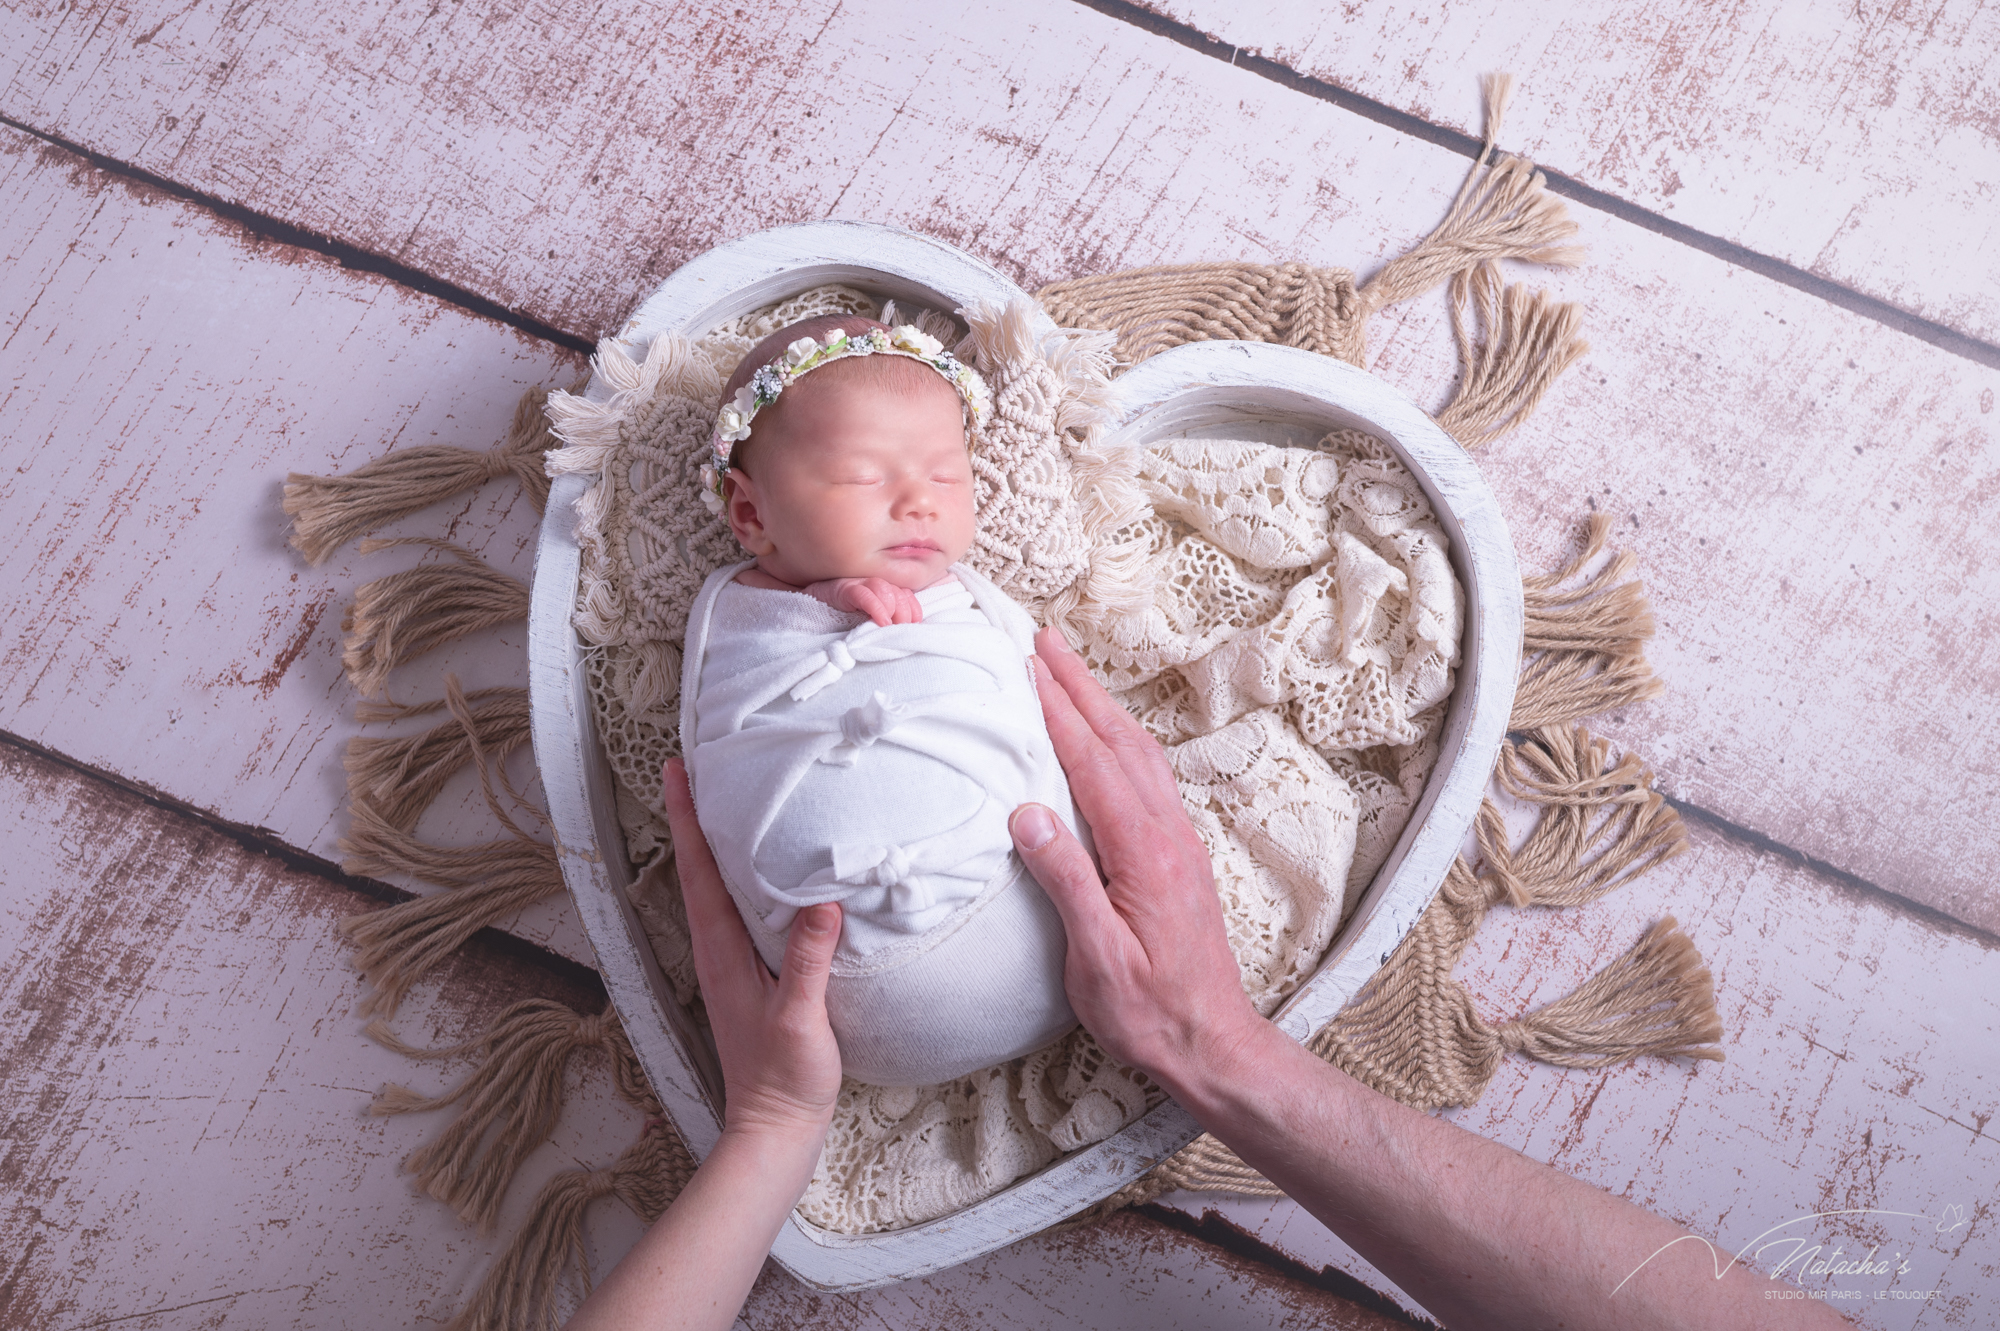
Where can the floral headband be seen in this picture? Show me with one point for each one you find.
(802, 357)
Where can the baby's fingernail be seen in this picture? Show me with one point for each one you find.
(821, 920)
(1034, 827)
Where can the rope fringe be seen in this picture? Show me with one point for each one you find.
(520, 1289)
(1584, 645)
(404, 615)
(397, 777)
(1656, 999)
(485, 885)
(510, 1101)
(1525, 343)
(1601, 825)
(1505, 213)
(329, 511)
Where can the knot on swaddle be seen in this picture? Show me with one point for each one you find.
(842, 655)
(883, 866)
(862, 726)
(834, 662)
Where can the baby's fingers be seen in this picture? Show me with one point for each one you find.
(865, 597)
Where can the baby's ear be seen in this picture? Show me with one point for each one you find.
(741, 510)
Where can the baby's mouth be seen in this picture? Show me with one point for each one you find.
(913, 549)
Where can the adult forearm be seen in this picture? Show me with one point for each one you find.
(1476, 1232)
(693, 1268)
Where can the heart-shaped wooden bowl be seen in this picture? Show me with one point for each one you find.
(1215, 389)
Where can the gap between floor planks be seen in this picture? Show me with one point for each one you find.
(1124, 11)
(262, 841)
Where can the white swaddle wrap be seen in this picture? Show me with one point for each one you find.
(833, 759)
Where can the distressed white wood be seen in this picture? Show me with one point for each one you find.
(1745, 400)
(1863, 1052)
(186, 1140)
(1187, 389)
(1854, 141)
(497, 122)
(153, 623)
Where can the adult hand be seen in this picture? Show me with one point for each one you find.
(780, 1073)
(780, 1062)
(1149, 970)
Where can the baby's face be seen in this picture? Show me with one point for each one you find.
(851, 481)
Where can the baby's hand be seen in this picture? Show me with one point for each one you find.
(878, 598)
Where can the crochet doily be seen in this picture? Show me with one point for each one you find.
(1284, 620)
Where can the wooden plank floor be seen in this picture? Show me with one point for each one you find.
(243, 242)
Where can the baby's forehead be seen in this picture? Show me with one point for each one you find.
(866, 389)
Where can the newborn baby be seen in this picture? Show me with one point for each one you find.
(857, 712)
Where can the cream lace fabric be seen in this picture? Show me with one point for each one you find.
(1285, 620)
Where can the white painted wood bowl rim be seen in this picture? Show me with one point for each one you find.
(1184, 388)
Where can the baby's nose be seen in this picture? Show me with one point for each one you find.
(916, 497)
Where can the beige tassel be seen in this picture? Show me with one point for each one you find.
(486, 885)
(520, 1290)
(1528, 341)
(510, 1102)
(398, 777)
(400, 617)
(1505, 213)
(1602, 824)
(1657, 999)
(329, 511)
(1584, 645)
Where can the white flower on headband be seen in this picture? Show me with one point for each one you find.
(733, 423)
(908, 338)
(797, 353)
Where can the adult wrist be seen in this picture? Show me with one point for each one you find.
(1203, 1070)
(1216, 1070)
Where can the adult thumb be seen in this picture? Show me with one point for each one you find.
(1063, 867)
(808, 956)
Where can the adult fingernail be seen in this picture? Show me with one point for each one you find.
(1034, 827)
